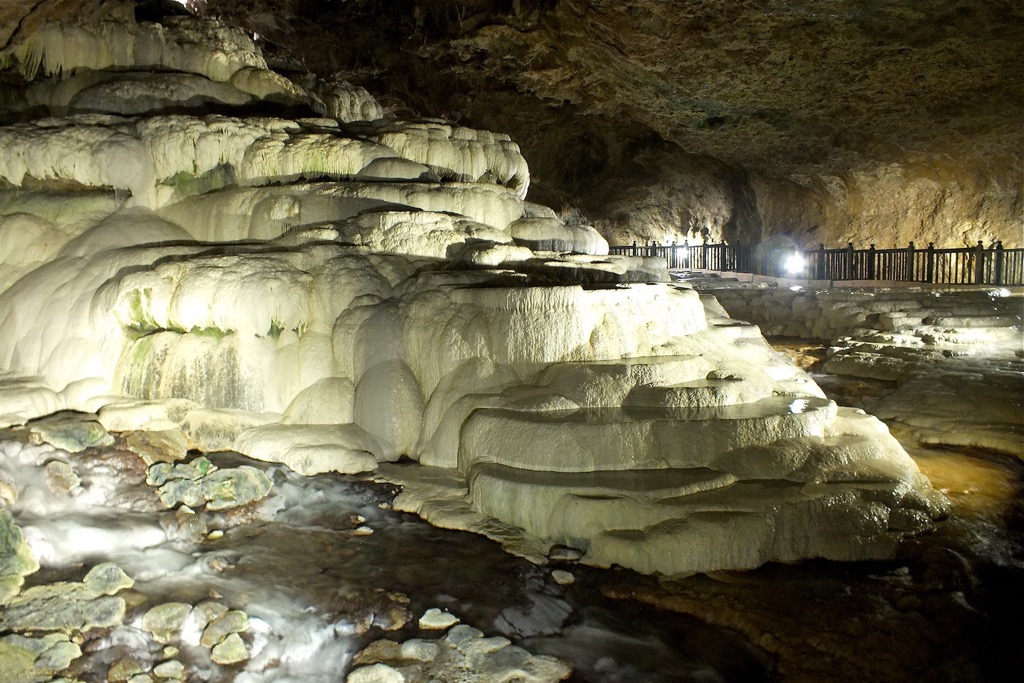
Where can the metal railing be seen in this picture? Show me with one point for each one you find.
(994, 265)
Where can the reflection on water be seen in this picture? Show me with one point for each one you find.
(322, 567)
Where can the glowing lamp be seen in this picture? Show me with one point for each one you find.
(794, 263)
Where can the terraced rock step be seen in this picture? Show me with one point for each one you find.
(956, 354)
(682, 518)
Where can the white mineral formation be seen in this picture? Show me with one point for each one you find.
(956, 356)
(335, 295)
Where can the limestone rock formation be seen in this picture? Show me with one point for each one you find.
(956, 357)
(857, 119)
(336, 295)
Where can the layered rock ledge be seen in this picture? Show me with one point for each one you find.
(338, 295)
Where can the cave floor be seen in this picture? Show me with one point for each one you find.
(947, 609)
(327, 568)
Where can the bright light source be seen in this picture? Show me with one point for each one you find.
(799, 405)
(795, 263)
(999, 293)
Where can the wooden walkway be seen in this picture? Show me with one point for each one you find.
(994, 265)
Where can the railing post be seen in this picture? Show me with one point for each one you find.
(871, 262)
(979, 263)
(909, 271)
(930, 266)
(851, 267)
(998, 279)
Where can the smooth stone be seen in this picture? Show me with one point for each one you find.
(167, 446)
(165, 621)
(107, 579)
(231, 650)
(375, 673)
(562, 577)
(170, 669)
(420, 650)
(199, 618)
(435, 619)
(220, 628)
(234, 487)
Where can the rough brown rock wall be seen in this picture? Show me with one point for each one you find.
(862, 120)
(857, 120)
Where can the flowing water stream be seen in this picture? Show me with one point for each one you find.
(322, 567)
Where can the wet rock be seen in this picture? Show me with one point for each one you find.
(165, 621)
(61, 477)
(107, 579)
(32, 660)
(394, 615)
(543, 616)
(123, 669)
(420, 650)
(220, 628)
(375, 673)
(71, 432)
(199, 618)
(184, 525)
(181, 491)
(16, 559)
(200, 482)
(60, 612)
(168, 446)
(437, 620)
(561, 553)
(130, 467)
(234, 487)
(464, 655)
(170, 669)
(562, 577)
(162, 472)
(231, 650)
(378, 651)
(69, 606)
(8, 493)
(9, 586)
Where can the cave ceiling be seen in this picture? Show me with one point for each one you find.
(778, 86)
(593, 89)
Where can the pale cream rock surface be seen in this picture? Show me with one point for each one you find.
(336, 294)
(956, 356)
